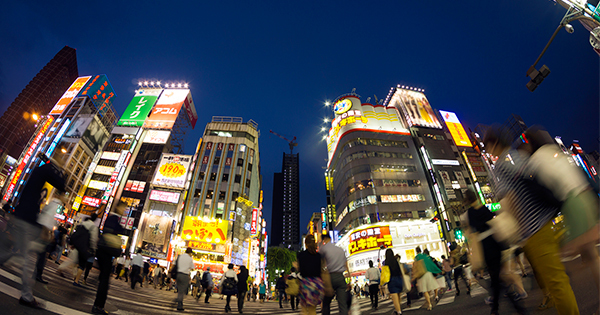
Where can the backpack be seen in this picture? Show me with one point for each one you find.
(81, 238)
(229, 286)
(204, 280)
(174, 271)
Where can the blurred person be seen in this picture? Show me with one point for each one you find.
(373, 275)
(457, 261)
(127, 267)
(280, 287)
(85, 244)
(207, 285)
(137, 263)
(476, 219)
(242, 286)
(120, 264)
(89, 264)
(229, 283)
(262, 290)
(185, 264)
(294, 299)
(157, 273)
(196, 283)
(109, 246)
(47, 223)
(427, 282)
(447, 269)
(312, 289)
(60, 239)
(335, 258)
(25, 225)
(396, 283)
(145, 273)
(255, 292)
(534, 209)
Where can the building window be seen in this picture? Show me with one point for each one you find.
(240, 162)
(213, 176)
(209, 194)
(217, 160)
(221, 195)
(225, 177)
(238, 179)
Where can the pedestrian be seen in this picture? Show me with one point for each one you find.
(60, 237)
(88, 267)
(447, 270)
(196, 283)
(312, 289)
(184, 264)
(262, 290)
(25, 226)
(145, 273)
(255, 292)
(373, 275)
(109, 246)
(534, 208)
(427, 282)
(293, 283)
(137, 263)
(457, 260)
(335, 258)
(229, 283)
(120, 263)
(242, 287)
(396, 283)
(85, 240)
(280, 287)
(127, 267)
(157, 273)
(207, 285)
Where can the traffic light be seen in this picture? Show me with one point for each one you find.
(434, 220)
(59, 209)
(536, 76)
(458, 234)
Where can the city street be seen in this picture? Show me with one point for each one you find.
(61, 297)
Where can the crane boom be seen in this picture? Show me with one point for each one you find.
(292, 143)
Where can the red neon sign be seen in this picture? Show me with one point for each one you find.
(253, 225)
(90, 201)
(30, 151)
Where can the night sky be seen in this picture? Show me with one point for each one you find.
(277, 63)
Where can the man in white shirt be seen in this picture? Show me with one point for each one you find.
(136, 267)
(157, 273)
(374, 276)
(185, 264)
(120, 263)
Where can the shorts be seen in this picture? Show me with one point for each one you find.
(262, 296)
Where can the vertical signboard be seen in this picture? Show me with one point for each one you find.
(254, 224)
(456, 129)
(167, 108)
(69, 95)
(140, 106)
(190, 109)
(28, 154)
(416, 108)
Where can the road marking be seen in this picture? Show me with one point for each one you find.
(52, 307)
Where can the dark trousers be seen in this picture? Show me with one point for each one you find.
(338, 282)
(282, 297)
(374, 294)
(126, 274)
(135, 275)
(105, 264)
(207, 294)
(294, 300)
(459, 273)
(118, 271)
(240, 297)
(88, 267)
(40, 264)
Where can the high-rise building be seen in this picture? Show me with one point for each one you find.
(223, 211)
(18, 122)
(291, 201)
(277, 210)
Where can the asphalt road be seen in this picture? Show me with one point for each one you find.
(61, 297)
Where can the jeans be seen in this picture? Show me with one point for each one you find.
(374, 294)
(448, 275)
(282, 297)
(459, 273)
(59, 252)
(105, 264)
(338, 282)
(183, 283)
(240, 297)
(26, 238)
(542, 251)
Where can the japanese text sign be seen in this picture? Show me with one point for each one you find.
(254, 224)
(167, 109)
(172, 171)
(138, 109)
(69, 95)
(207, 230)
(164, 196)
(369, 238)
(100, 91)
(456, 129)
(91, 201)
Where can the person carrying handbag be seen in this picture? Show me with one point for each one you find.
(423, 270)
(229, 285)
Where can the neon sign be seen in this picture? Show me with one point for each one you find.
(342, 106)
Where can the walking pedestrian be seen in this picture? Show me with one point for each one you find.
(120, 265)
(312, 289)
(86, 243)
(60, 238)
(109, 246)
(447, 269)
(457, 260)
(280, 287)
(336, 261)
(26, 230)
(373, 275)
(255, 292)
(262, 290)
(184, 264)
(127, 267)
(427, 282)
(396, 284)
(137, 263)
(229, 283)
(88, 267)
(242, 287)
(207, 285)
(145, 273)
(534, 208)
(157, 273)
(292, 281)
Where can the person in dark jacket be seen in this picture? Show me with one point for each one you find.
(25, 223)
(109, 246)
(242, 285)
(280, 286)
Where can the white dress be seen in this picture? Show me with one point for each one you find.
(427, 283)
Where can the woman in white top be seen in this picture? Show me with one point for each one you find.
(229, 285)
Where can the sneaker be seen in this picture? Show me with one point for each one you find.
(41, 280)
(77, 284)
(97, 310)
(33, 304)
(489, 300)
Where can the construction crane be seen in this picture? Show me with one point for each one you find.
(292, 143)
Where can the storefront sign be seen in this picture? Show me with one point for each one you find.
(205, 230)
(113, 156)
(104, 170)
(201, 245)
(254, 222)
(98, 185)
(369, 238)
(157, 136)
(90, 201)
(164, 196)
(172, 171)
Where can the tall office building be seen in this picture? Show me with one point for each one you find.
(277, 210)
(291, 200)
(38, 97)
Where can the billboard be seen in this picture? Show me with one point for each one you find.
(164, 196)
(190, 109)
(352, 115)
(254, 223)
(172, 171)
(415, 107)
(95, 136)
(79, 126)
(157, 136)
(69, 95)
(204, 230)
(456, 129)
(167, 109)
(369, 238)
(138, 109)
(100, 91)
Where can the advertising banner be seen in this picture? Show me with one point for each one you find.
(190, 109)
(167, 109)
(69, 95)
(95, 136)
(164, 196)
(157, 136)
(456, 129)
(104, 170)
(79, 126)
(172, 171)
(90, 201)
(205, 230)
(156, 229)
(138, 109)
(416, 108)
(100, 91)
(447, 184)
(254, 222)
(369, 238)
